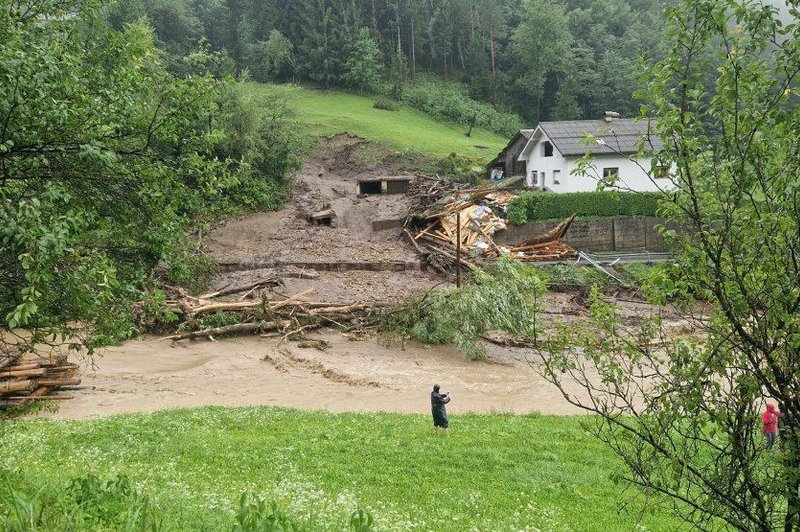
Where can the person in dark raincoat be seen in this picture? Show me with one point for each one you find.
(438, 400)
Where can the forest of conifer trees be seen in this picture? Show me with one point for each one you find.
(540, 59)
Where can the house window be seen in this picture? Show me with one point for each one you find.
(541, 179)
(660, 171)
(610, 173)
(547, 148)
(556, 176)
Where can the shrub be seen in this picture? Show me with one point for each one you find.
(576, 276)
(385, 104)
(191, 268)
(502, 297)
(451, 101)
(532, 206)
(459, 169)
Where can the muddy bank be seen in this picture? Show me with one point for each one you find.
(348, 375)
(151, 374)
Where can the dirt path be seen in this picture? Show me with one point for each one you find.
(152, 374)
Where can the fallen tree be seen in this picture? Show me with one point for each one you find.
(204, 317)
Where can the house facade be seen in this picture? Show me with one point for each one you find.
(554, 149)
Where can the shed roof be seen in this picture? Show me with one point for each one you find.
(622, 135)
(527, 133)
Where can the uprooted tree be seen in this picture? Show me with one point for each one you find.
(683, 413)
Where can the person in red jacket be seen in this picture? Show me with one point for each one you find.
(770, 421)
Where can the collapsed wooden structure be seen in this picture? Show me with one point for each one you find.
(451, 221)
(29, 377)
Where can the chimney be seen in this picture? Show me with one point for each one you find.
(611, 116)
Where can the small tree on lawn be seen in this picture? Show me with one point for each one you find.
(683, 412)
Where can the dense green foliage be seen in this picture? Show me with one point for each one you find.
(586, 277)
(106, 159)
(451, 102)
(534, 206)
(386, 104)
(503, 298)
(537, 58)
(684, 412)
(495, 472)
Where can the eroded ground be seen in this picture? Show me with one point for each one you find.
(349, 375)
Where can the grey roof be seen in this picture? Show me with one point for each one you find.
(527, 133)
(618, 136)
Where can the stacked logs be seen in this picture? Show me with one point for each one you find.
(28, 377)
(289, 316)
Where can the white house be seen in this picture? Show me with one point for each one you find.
(554, 149)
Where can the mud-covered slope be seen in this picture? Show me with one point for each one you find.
(354, 260)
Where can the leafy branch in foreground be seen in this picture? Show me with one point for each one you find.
(106, 160)
(501, 297)
(683, 413)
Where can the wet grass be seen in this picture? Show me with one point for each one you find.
(331, 112)
(496, 472)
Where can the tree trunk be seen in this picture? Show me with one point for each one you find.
(491, 47)
(233, 28)
(790, 433)
(460, 51)
(18, 386)
(413, 53)
(431, 44)
(57, 383)
(36, 372)
(399, 46)
(238, 328)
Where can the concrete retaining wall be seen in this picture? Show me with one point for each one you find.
(598, 234)
(334, 266)
(382, 225)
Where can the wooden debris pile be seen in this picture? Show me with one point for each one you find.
(289, 317)
(28, 377)
(452, 217)
(543, 247)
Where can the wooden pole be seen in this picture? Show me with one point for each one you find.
(458, 249)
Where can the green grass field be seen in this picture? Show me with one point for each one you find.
(496, 472)
(332, 112)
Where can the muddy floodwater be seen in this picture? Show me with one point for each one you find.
(151, 374)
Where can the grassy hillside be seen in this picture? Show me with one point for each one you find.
(331, 112)
(496, 472)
